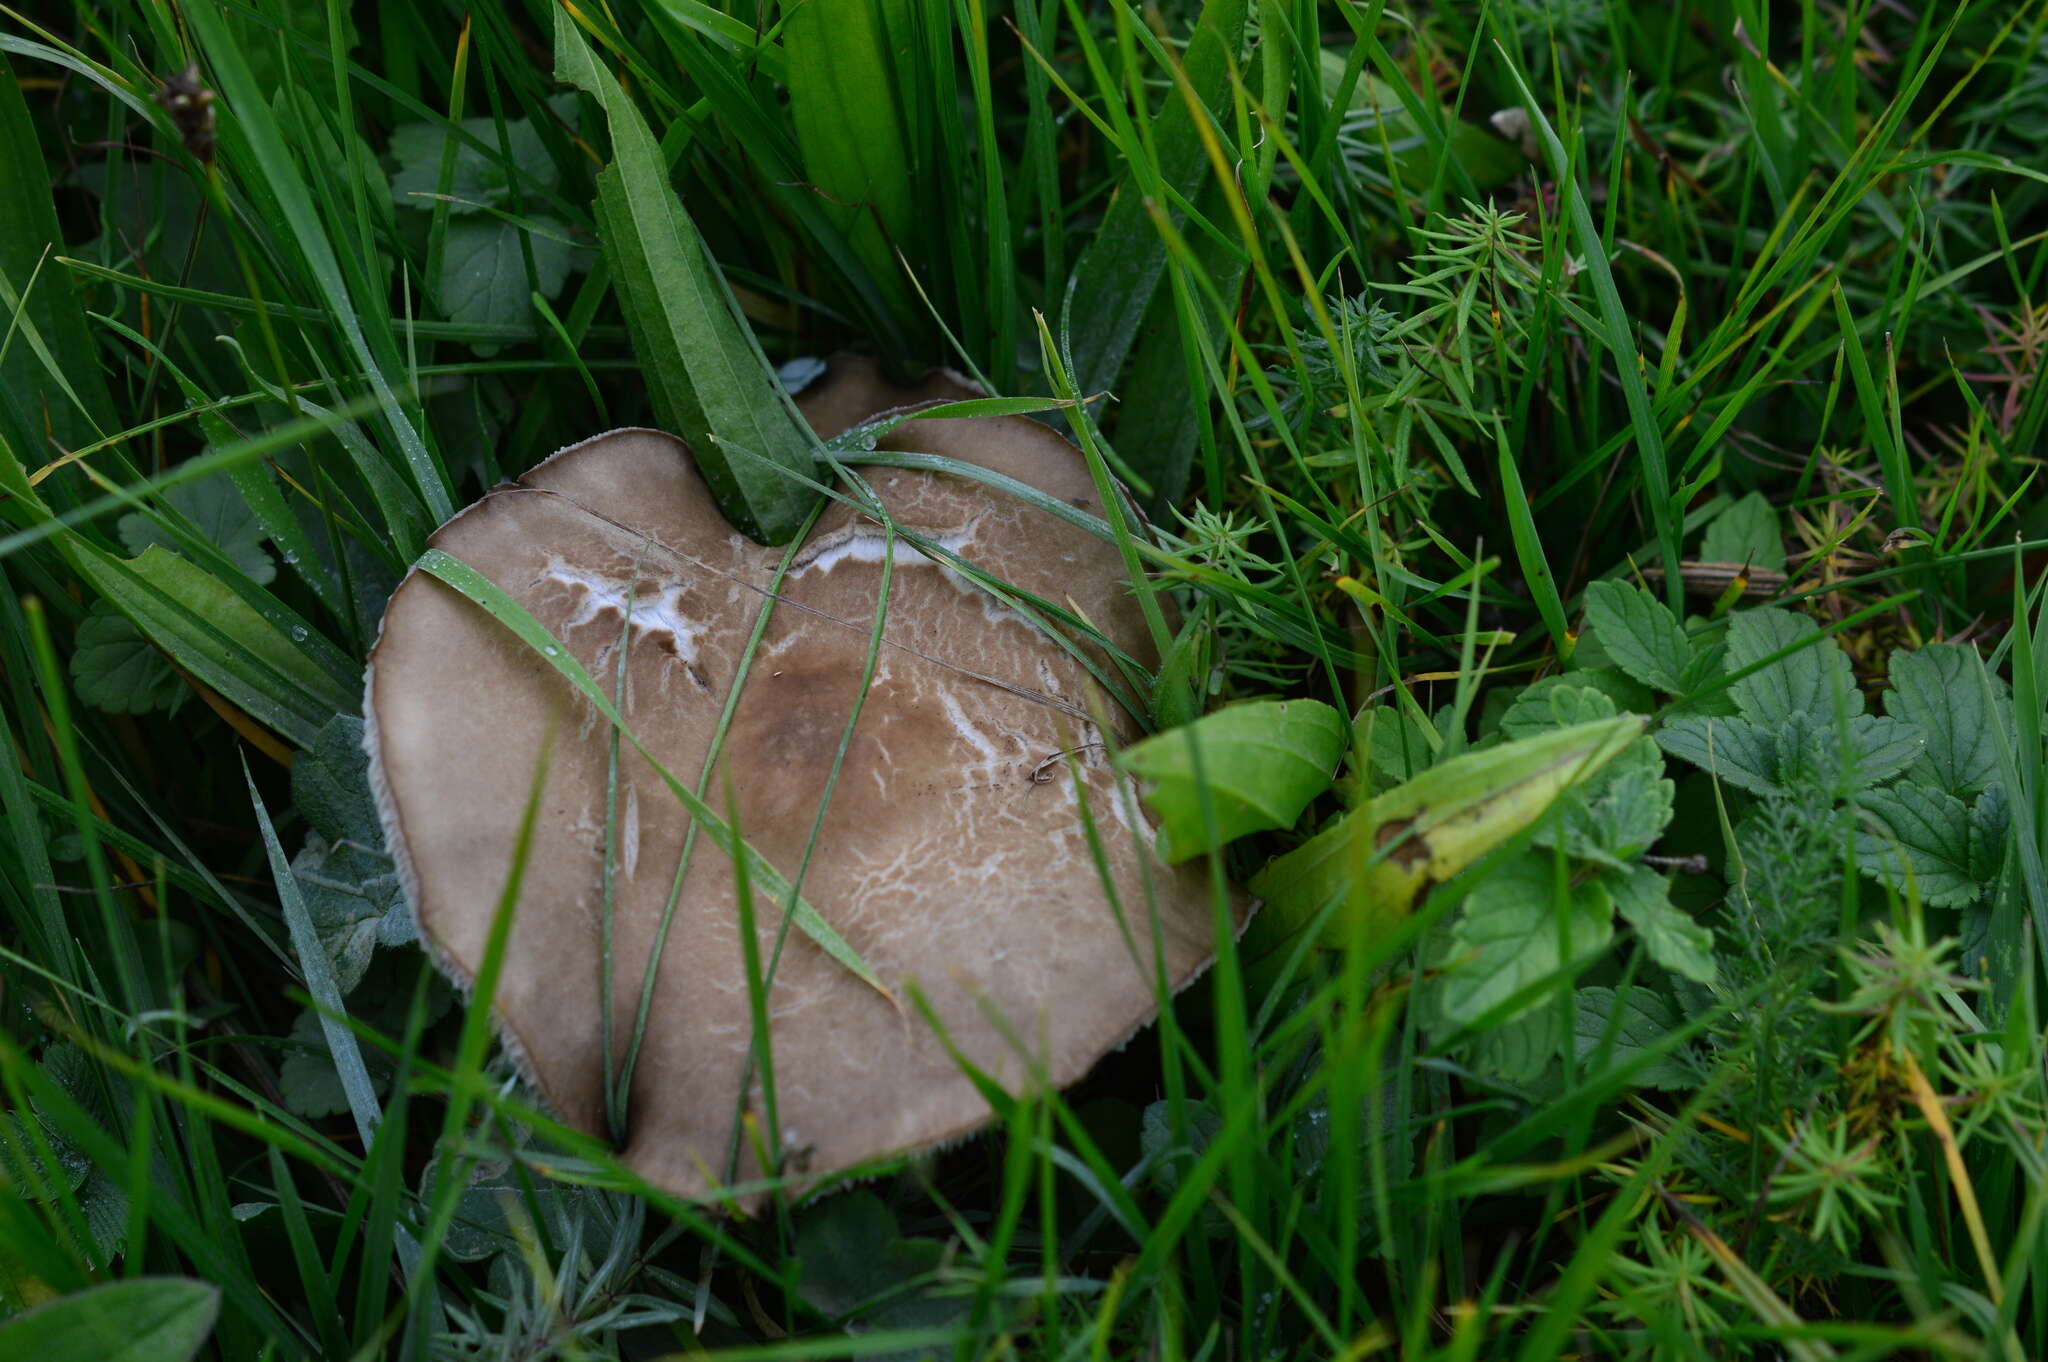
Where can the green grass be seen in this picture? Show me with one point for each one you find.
(1411, 407)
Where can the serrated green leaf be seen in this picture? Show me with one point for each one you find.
(1261, 762)
(1747, 532)
(219, 515)
(1619, 813)
(1640, 634)
(1401, 744)
(1922, 845)
(145, 1319)
(1936, 689)
(1709, 664)
(116, 669)
(1674, 940)
(1622, 1026)
(1530, 713)
(1739, 752)
(1507, 937)
(1811, 681)
(1990, 825)
(483, 271)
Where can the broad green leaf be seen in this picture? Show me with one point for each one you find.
(1811, 681)
(143, 1319)
(116, 669)
(1643, 898)
(1936, 689)
(483, 271)
(1747, 532)
(1508, 937)
(1380, 858)
(1922, 846)
(1260, 763)
(705, 372)
(1799, 749)
(1622, 1026)
(1709, 664)
(491, 598)
(211, 632)
(1640, 634)
(310, 1085)
(219, 515)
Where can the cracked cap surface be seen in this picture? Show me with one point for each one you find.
(941, 861)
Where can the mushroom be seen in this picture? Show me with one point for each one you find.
(952, 857)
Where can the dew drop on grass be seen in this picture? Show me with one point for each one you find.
(298, 633)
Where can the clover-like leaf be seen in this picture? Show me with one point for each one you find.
(853, 1264)
(118, 670)
(217, 512)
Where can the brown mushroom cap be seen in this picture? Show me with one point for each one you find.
(941, 861)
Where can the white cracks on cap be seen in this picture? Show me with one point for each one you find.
(656, 609)
(864, 543)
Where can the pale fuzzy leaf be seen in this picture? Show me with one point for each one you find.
(1936, 689)
(479, 177)
(1640, 634)
(1261, 762)
(1674, 940)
